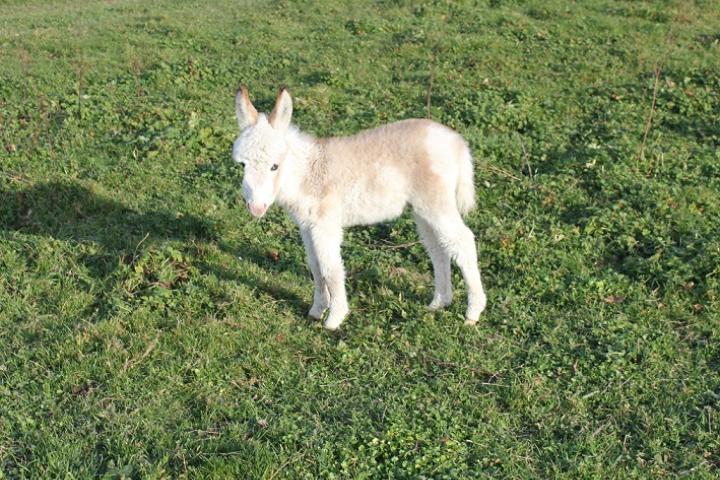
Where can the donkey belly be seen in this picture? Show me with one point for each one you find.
(366, 208)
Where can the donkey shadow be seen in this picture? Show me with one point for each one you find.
(72, 212)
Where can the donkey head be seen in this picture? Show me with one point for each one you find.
(261, 148)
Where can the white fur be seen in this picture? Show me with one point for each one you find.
(328, 184)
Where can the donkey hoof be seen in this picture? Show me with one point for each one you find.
(316, 312)
(438, 304)
(472, 314)
(333, 320)
(332, 325)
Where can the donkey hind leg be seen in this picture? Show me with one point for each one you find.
(326, 244)
(441, 265)
(459, 243)
(321, 297)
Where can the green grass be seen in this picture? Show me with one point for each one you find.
(150, 329)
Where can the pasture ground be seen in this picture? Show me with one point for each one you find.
(150, 329)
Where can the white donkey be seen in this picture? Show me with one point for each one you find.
(326, 184)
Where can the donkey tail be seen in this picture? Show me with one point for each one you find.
(465, 189)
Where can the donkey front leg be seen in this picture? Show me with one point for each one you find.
(321, 297)
(326, 244)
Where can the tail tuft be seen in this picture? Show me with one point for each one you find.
(465, 190)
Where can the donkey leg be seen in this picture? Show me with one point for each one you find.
(441, 265)
(326, 243)
(459, 242)
(321, 297)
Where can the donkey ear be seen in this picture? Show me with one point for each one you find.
(246, 113)
(282, 113)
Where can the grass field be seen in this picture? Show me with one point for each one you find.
(149, 328)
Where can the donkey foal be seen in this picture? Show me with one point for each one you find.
(326, 184)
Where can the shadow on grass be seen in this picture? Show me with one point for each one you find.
(70, 211)
(294, 304)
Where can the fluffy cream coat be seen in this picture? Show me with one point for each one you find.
(326, 184)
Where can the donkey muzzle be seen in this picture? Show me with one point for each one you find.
(257, 210)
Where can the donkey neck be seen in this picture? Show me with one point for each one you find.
(300, 164)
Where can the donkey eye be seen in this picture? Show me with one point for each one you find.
(274, 167)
